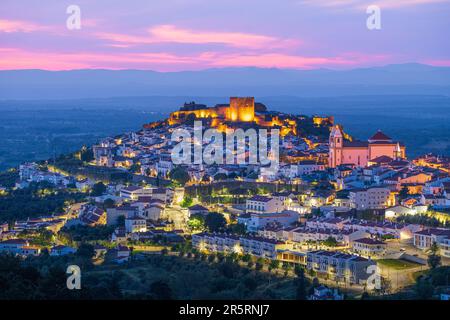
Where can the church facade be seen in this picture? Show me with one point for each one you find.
(360, 153)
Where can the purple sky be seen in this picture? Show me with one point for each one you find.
(174, 35)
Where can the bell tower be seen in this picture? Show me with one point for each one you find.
(336, 143)
(398, 152)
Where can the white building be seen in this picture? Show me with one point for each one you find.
(424, 239)
(261, 220)
(308, 167)
(134, 192)
(371, 198)
(135, 224)
(368, 247)
(339, 266)
(256, 246)
(262, 204)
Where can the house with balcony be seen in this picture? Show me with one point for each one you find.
(263, 204)
(340, 267)
(368, 247)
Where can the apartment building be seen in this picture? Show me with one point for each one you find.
(262, 247)
(14, 246)
(261, 220)
(398, 230)
(134, 192)
(338, 266)
(112, 214)
(368, 247)
(256, 246)
(216, 243)
(326, 223)
(343, 237)
(135, 224)
(444, 246)
(308, 167)
(425, 238)
(371, 198)
(263, 204)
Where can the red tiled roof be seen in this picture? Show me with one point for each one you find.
(382, 159)
(380, 136)
(369, 241)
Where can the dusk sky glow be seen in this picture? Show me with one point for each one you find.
(177, 35)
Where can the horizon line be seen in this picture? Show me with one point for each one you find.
(235, 68)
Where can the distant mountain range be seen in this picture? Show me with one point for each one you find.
(401, 79)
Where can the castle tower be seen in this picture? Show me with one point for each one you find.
(336, 143)
(242, 109)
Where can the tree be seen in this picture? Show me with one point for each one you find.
(98, 189)
(86, 251)
(86, 155)
(330, 242)
(135, 168)
(246, 257)
(286, 267)
(220, 176)
(238, 228)
(179, 175)
(403, 194)
(196, 222)
(120, 221)
(232, 175)
(424, 289)
(259, 264)
(273, 264)
(215, 222)
(250, 283)
(365, 296)
(315, 284)
(187, 202)
(161, 290)
(108, 203)
(301, 285)
(434, 259)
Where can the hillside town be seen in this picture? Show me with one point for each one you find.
(336, 206)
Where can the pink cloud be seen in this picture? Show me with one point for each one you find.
(439, 63)
(174, 34)
(277, 60)
(12, 58)
(19, 26)
(170, 33)
(363, 4)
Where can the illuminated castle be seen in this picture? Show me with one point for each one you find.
(239, 109)
(241, 112)
(360, 153)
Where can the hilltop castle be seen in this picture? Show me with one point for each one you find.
(360, 153)
(241, 112)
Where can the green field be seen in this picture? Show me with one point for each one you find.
(397, 264)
